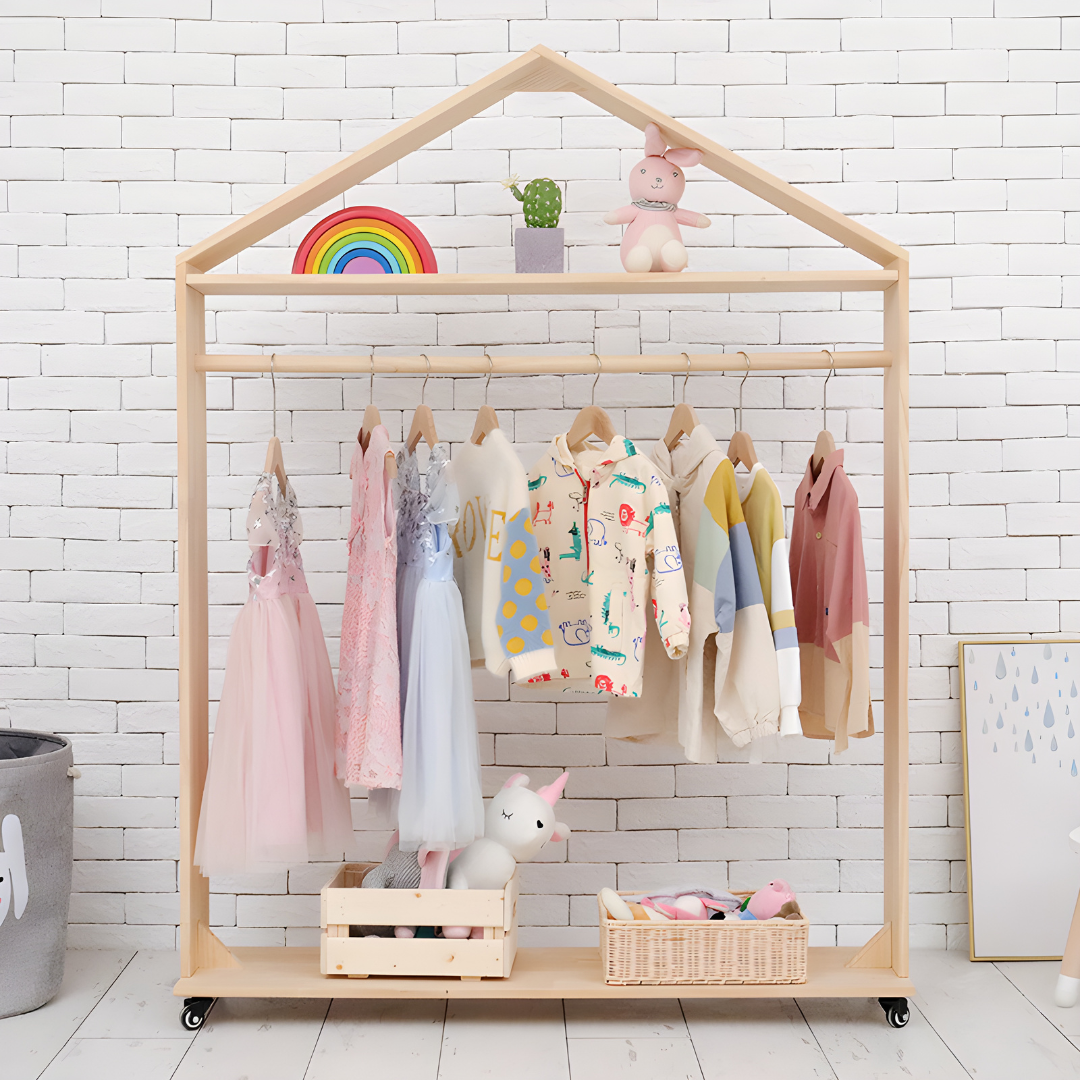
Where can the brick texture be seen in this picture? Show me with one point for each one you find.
(124, 140)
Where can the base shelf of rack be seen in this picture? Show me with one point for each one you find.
(293, 972)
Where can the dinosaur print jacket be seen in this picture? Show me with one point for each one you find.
(609, 554)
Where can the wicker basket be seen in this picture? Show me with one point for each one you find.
(643, 953)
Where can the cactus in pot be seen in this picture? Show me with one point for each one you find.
(538, 248)
(541, 200)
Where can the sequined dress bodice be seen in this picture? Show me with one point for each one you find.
(274, 532)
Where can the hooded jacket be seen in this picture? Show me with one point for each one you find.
(832, 608)
(496, 563)
(729, 674)
(600, 516)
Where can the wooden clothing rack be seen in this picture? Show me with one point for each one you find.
(208, 968)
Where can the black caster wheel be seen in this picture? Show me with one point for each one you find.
(897, 1012)
(193, 1014)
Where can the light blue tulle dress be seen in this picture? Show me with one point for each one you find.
(441, 806)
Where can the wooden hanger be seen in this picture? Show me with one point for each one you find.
(275, 463)
(371, 421)
(592, 420)
(486, 420)
(741, 447)
(825, 444)
(683, 419)
(423, 422)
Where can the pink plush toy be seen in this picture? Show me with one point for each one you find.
(766, 903)
(653, 240)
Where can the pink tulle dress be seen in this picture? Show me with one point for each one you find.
(369, 712)
(271, 799)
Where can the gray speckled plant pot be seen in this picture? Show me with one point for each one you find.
(539, 251)
(36, 804)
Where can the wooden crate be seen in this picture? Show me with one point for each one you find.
(345, 904)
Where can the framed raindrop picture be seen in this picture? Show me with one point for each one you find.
(1020, 731)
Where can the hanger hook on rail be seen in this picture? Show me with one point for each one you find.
(371, 380)
(273, 392)
(487, 381)
(739, 425)
(825, 391)
(599, 368)
(423, 389)
(686, 377)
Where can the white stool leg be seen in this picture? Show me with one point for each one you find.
(1067, 991)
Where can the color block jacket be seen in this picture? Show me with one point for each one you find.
(496, 562)
(764, 514)
(729, 675)
(832, 609)
(600, 516)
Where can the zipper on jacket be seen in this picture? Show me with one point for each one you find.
(585, 527)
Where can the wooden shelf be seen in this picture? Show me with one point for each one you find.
(538, 973)
(539, 284)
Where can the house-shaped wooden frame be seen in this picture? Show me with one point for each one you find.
(208, 968)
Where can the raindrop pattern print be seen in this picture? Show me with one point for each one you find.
(1037, 688)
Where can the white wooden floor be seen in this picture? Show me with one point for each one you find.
(116, 1019)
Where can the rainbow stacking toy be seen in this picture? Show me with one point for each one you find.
(365, 240)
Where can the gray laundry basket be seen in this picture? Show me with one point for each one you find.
(36, 806)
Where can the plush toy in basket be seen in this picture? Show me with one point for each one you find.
(698, 935)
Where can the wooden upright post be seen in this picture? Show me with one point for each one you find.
(194, 616)
(896, 617)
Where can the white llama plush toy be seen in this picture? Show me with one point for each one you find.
(518, 823)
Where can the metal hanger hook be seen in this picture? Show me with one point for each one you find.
(273, 392)
(739, 426)
(686, 377)
(599, 368)
(487, 381)
(825, 390)
(371, 381)
(423, 389)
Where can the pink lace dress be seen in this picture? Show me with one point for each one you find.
(369, 715)
(271, 799)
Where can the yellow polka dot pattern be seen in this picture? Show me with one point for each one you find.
(524, 626)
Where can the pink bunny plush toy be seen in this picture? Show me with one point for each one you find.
(653, 240)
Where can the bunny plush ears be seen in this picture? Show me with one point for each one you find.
(655, 146)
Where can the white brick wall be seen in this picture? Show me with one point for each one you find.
(131, 130)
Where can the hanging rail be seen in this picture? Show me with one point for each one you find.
(677, 363)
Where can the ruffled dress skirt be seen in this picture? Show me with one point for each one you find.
(441, 805)
(271, 799)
